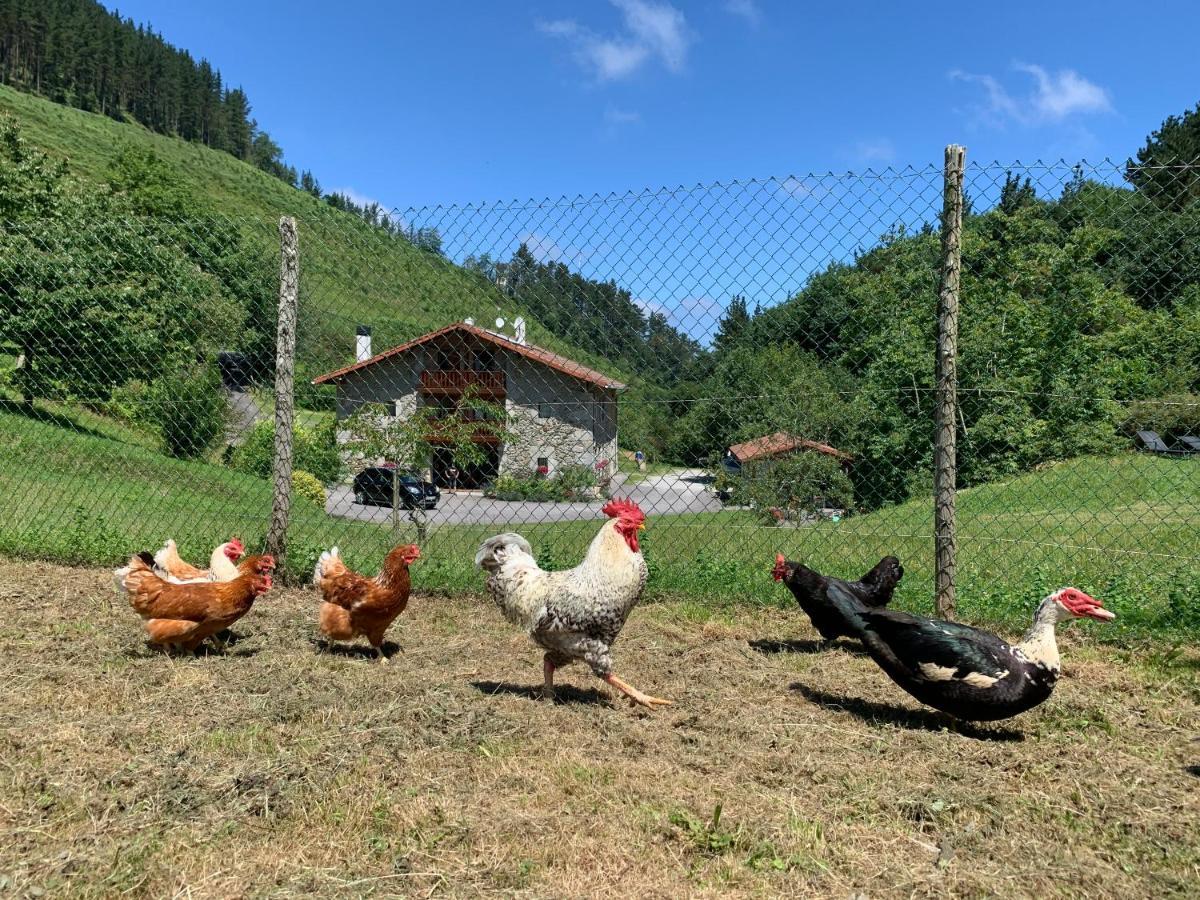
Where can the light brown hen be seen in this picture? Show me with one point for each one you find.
(183, 615)
(356, 606)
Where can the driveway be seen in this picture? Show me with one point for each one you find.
(684, 491)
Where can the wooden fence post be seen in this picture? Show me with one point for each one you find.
(945, 461)
(285, 367)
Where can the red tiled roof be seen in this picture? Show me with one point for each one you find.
(782, 442)
(537, 354)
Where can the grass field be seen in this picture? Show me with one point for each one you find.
(1123, 528)
(282, 769)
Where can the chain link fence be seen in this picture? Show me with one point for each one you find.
(752, 362)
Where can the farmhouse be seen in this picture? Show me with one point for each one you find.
(559, 412)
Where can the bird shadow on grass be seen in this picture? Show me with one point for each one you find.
(771, 647)
(355, 651)
(913, 719)
(149, 648)
(1192, 770)
(563, 693)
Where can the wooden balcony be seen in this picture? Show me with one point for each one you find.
(482, 436)
(454, 382)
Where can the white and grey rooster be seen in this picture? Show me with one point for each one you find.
(574, 615)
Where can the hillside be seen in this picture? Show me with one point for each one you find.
(350, 272)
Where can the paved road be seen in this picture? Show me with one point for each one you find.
(680, 492)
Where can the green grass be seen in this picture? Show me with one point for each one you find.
(1123, 528)
(350, 272)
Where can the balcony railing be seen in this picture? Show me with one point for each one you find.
(465, 416)
(457, 381)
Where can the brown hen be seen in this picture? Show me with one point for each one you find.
(183, 615)
(356, 606)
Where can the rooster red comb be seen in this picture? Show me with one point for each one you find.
(623, 509)
(781, 568)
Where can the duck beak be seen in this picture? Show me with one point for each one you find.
(1099, 612)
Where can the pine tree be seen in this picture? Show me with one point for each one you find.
(732, 326)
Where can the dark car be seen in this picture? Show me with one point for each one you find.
(373, 487)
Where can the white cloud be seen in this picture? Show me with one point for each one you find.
(355, 196)
(361, 199)
(746, 9)
(875, 150)
(649, 31)
(615, 116)
(697, 317)
(1054, 96)
(814, 186)
(547, 250)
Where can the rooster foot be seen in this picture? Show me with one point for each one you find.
(636, 697)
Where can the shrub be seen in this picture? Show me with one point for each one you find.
(306, 485)
(1176, 415)
(313, 451)
(571, 482)
(189, 411)
(790, 488)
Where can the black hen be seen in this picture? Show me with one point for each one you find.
(816, 594)
(964, 671)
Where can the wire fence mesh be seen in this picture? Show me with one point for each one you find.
(752, 362)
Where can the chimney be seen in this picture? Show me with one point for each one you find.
(362, 343)
(519, 329)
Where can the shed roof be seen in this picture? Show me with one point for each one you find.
(779, 443)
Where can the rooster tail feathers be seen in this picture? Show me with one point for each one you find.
(493, 552)
(326, 558)
(848, 605)
(165, 553)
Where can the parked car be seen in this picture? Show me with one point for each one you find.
(373, 487)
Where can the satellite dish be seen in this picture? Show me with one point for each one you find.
(499, 323)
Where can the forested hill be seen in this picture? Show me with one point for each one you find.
(77, 53)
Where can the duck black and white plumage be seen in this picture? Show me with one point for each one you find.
(967, 672)
(813, 590)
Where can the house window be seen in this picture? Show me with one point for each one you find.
(396, 408)
(543, 462)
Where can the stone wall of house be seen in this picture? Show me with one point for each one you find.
(392, 382)
(557, 418)
(384, 382)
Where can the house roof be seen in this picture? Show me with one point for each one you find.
(781, 442)
(529, 351)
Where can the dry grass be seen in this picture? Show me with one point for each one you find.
(277, 769)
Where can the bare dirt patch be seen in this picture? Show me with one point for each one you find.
(278, 768)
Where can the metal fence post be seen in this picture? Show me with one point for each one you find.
(285, 365)
(945, 465)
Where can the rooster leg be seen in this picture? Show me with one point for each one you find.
(635, 696)
(379, 653)
(548, 668)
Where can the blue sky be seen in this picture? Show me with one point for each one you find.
(417, 105)
(422, 103)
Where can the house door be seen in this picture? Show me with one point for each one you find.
(470, 478)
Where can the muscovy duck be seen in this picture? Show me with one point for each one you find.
(967, 672)
(813, 590)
